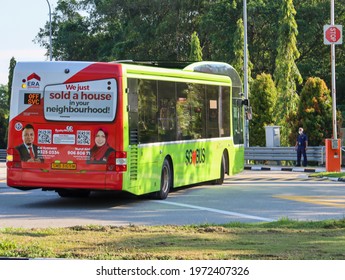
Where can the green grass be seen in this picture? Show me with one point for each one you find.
(281, 240)
(329, 174)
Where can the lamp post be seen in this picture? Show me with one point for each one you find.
(245, 69)
(50, 31)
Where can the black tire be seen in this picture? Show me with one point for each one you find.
(220, 181)
(73, 193)
(166, 181)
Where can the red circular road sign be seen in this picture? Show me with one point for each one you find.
(332, 34)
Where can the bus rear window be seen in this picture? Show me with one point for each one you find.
(85, 101)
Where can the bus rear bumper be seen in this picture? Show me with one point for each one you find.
(95, 180)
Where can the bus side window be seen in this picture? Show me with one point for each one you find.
(166, 111)
(133, 110)
(226, 124)
(238, 121)
(213, 111)
(147, 111)
(190, 109)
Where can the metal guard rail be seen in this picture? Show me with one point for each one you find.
(314, 153)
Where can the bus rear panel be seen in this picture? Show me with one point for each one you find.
(66, 127)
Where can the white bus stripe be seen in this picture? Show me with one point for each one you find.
(217, 211)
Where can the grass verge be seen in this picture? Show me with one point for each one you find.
(282, 240)
(340, 175)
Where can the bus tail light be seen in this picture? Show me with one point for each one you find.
(13, 159)
(117, 162)
(121, 161)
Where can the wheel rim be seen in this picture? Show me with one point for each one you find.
(165, 179)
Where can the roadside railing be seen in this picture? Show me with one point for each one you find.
(278, 154)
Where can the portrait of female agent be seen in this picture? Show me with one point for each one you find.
(101, 150)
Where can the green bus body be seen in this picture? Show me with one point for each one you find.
(194, 160)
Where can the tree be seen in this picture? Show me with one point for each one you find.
(13, 63)
(238, 46)
(195, 48)
(286, 73)
(116, 29)
(217, 26)
(263, 97)
(314, 112)
(314, 60)
(4, 112)
(262, 34)
(238, 50)
(5, 96)
(72, 38)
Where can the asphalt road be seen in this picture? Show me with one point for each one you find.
(252, 196)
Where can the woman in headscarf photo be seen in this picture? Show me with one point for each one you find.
(101, 150)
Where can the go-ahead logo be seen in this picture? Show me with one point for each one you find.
(195, 156)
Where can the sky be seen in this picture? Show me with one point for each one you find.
(20, 22)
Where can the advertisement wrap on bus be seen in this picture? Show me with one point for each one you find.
(77, 127)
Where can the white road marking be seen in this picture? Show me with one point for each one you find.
(216, 211)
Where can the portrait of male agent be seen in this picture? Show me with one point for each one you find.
(301, 147)
(28, 151)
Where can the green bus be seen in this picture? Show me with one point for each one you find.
(77, 127)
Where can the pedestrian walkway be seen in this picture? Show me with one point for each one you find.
(284, 168)
(317, 169)
(2, 168)
(2, 172)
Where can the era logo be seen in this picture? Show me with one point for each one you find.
(33, 81)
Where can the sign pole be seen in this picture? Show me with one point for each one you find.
(50, 31)
(334, 106)
(333, 36)
(245, 68)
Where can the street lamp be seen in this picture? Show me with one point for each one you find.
(245, 69)
(50, 31)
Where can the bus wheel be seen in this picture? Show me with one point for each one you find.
(73, 193)
(166, 181)
(222, 172)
